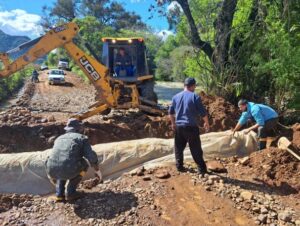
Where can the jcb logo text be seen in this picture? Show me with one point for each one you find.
(89, 68)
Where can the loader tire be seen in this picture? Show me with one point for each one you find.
(106, 112)
(147, 90)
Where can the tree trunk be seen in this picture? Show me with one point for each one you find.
(223, 33)
(196, 40)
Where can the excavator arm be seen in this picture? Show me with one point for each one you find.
(62, 36)
(118, 95)
(53, 39)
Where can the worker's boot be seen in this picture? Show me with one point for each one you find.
(202, 171)
(72, 194)
(262, 143)
(181, 169)
(262, 137)
(60, 190)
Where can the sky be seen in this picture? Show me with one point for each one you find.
(21, 17)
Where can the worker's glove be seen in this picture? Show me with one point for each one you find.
(98, 174)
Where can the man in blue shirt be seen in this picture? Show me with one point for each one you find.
(265, 117)
(184, 115)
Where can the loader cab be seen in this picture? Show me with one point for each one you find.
(134, 49)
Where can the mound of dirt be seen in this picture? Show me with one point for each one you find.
(222, 114)
(20, 116)
(274, 167)
(22, 131)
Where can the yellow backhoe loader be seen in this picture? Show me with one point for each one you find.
(114, 89)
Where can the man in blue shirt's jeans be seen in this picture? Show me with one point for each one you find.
(184, 114)
(265, 117)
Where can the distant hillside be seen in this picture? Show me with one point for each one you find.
(8, 42)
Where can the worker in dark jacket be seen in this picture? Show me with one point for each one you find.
(185, 113)
(123, 62)
(265, 117)
(67, 160)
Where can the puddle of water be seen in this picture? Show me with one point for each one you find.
(166, 90)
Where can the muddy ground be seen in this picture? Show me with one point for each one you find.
(262, 189)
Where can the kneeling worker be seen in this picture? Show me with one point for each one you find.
(66, 161)
(265, 117)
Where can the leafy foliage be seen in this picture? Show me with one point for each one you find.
(263, 58)
(106, 12)
(14, 82)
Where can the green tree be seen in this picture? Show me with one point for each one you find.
(107, 13)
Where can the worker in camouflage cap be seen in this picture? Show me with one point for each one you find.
(67, 161)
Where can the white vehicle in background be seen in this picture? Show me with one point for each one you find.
(56, 76)
(63, 64)
(44, 67)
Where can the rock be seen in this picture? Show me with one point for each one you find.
(273, 215)
(262, 218)
(247, 205)
(140, 171)
(121, 220)
(209, 182)
(138, 190)
(133, 173)
(216, 166)
(153, 207)
(245, 161)
(90, 183)
(257, 222)
(256, 209)
(264, 210)
(51, 118)
(162, 174)
(240, 199)
(247, 195)
(44, 120)
(193, 182)
(146, 178)
(207, 188)
(285, 216)
(214, 178)
(269, 197)
(91, 220)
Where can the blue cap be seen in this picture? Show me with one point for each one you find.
(189, 82)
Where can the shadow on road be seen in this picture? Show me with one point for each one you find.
(104, 205)
(283, 189)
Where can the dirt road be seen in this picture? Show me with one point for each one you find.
(72, 97)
